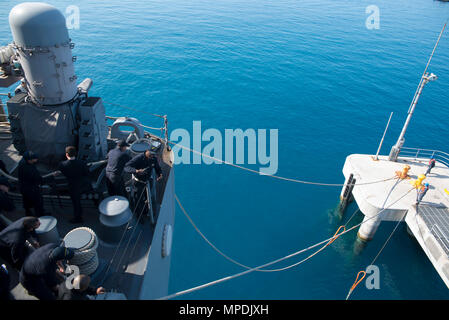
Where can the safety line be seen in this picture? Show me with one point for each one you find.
(152, 128)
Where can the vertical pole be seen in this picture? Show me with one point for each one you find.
(394, 153)
(382, 140)
(424, 79)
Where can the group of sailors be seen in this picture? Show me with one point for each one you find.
(30, 180)
(422, 190)
(41, 267)
(140, 167)
(77, 174)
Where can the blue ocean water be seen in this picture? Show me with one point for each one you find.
(308, 68)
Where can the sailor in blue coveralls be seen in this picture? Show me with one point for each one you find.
(117, 158)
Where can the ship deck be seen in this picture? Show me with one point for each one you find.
(121, 268)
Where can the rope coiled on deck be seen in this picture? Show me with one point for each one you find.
(86, 258)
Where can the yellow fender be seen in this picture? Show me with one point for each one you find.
(418, 182)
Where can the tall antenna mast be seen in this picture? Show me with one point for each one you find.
(425, 78)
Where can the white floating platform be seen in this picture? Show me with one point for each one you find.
(372, 198)
(429, 223)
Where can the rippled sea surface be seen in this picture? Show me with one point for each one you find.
(310, 69)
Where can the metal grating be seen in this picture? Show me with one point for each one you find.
(437, 220)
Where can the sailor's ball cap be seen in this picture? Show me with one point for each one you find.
(122, 143)
(62, 253)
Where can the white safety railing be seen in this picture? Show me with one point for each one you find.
(163, 129)
(418, 153)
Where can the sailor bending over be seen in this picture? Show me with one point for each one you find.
(13, 247)
(39, 274)
(141, 167)
(117, 158)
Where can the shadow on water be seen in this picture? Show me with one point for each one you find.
(349, 245)
(337, 218)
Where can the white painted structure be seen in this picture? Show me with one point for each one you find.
(430, 226)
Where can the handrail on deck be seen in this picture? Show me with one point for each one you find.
(419, 153)
(164, 129)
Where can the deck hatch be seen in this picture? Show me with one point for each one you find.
(437, 220)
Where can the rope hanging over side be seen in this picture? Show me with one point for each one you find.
(336, 235)
(377, 256)
(243, 265)
(180, 293)
(356, 282)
